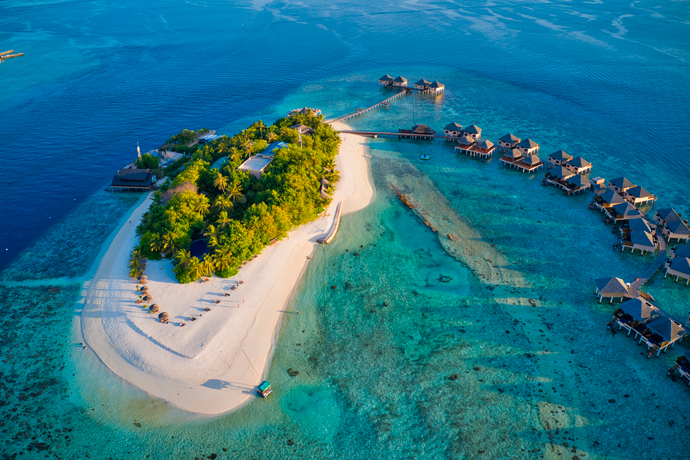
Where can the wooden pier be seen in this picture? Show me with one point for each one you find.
(369, 109)
(658, 262)
(7, 55)
(399, 135)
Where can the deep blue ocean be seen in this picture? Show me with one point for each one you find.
(606, 80)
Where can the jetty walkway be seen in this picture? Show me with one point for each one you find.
(368, 109)
(656, 265)
(393, 134)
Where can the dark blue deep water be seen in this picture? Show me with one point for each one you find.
(606, 80)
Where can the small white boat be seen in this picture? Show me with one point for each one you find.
(424, 157)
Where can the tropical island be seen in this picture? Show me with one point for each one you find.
(233, 213)
(243, 213)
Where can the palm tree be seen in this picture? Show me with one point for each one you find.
(223, 258)
(223, 220)
(202, 208)
(235, 155)
(168, 243)
(260, 124)
(213, 236)
(235, 193)
(183, 258)
(220, 181)
(195, 268)
(156, 243)
(207, 266)
(271, 137)
(222, 203)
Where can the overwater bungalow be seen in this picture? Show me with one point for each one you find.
(576, 184)
(453, 130)
(525, 164)
(666, 215)
(683, 366)
(422, 84)
(679, 267)
(579, 165)
(608, 199)
(637, 195)
(436, 87)
(642, 240)
(620, 185)
(682, 250)
(422, 132)
(400, 81)
(623, 211)
(474, 131)
(528, 147)
(612, 288)
(482, 149)
(559, 158)
(639, 225)
(464, 143)
(633, 314)
(662, 333)
(558, 173)
(138, 180)
(386, 80)
(508, 142)
(676, 229)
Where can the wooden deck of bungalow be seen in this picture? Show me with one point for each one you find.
(563, 185)
(473, 150)
(520, 165)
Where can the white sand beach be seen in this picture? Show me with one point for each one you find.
(212, 365)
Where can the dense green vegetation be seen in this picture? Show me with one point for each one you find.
(182, 141)
(233, 212)
(147, 162)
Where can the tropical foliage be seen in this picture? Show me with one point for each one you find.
(235, 214)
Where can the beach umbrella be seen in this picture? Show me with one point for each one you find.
(143, 277)
(144, 289)
(155, 307)
(164, 317)
(148, 298)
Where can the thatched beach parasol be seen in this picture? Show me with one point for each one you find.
(144, 289)
(155, 307)
(143, 277)
(164, 317)
(148, 298)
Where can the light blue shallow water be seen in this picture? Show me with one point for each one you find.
(607, 81)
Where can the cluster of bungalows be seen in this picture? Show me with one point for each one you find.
(568, 173)
(615, 207)
(679, 264)
(423, 86)
(520, 154)
(632, 193)
(469, 140)
(304, 111)
(672, 226)
(639, 234)
(651, 326)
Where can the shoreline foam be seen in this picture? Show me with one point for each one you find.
(212, 365)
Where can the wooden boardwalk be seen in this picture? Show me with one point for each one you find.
(394, 134)
(658, 263)
(368, 109)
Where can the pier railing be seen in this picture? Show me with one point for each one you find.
(369, 109)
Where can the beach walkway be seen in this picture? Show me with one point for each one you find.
(658, 263)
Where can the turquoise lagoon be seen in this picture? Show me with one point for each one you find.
(379, 335)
